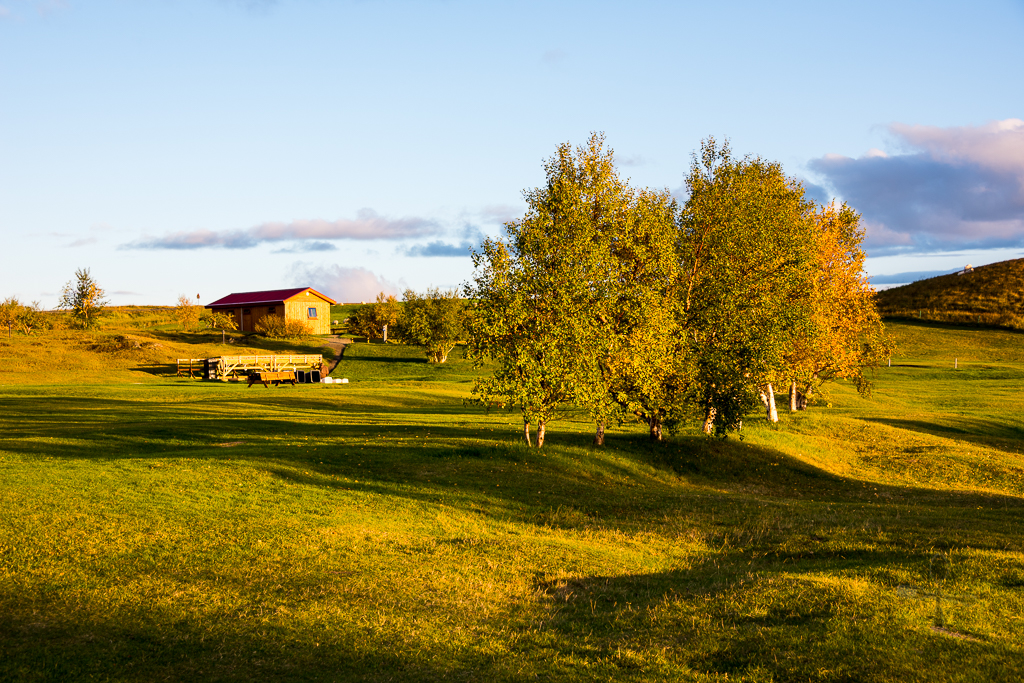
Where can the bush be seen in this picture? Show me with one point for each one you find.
(276, 327)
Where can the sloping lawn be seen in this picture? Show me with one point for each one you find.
(386, 530)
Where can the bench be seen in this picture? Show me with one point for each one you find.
(268, 378)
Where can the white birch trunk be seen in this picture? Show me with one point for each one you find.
(540, 432)
(526, 433)
(773, 413)
(792, 396)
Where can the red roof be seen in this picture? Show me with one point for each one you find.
(270, 296)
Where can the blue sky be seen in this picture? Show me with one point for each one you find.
(185, 146)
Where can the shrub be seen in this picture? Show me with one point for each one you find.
(276, 327)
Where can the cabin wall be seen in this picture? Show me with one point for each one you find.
(298, 309)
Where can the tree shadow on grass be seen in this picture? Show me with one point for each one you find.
(987, 433)
(57, 642)
(739, 615)
(470, 463)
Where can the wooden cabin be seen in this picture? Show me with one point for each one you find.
(304, 304)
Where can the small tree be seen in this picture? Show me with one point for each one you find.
(10, 314)
(187, 313)
(31, 317)
(372, 321)
(436, 321)
(84, 298)
(221, 321)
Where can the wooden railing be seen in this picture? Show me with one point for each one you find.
(226, 367)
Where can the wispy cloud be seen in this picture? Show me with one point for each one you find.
(305, 247)
(368, 225)
(343, 284)
(438, 248)
(82, 242)
(631, 160)
(499, 213)
(952, 188)
(471, 237)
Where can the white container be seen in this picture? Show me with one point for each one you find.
(344, 380)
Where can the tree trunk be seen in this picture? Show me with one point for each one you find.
(773, 413)
(540, 432)
(792, 396)
(655, 424)
(709, 421)
(599, 435)
(526, 433)
(801, 399)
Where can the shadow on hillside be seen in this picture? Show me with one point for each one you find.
(65, 641)
(468, 462)
(988, 433)
(752, 614)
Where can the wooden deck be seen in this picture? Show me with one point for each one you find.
(226, 368)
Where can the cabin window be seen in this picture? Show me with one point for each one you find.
(272, 309)
(246, 311)
(311, 312)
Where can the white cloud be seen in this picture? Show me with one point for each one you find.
(959, 187)
(347, 285)
(368, 225)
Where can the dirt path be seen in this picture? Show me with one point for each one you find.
(338, 343)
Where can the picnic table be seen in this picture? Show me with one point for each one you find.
(268, 378)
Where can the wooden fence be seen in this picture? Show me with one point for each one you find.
(232, 367)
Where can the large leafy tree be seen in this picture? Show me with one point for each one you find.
(845, 334)
(542, 292)
(574, 303)
(435, 320)
(746, 248)
(84, 298)
(641, 356)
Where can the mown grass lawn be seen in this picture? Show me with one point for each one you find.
(384, 530)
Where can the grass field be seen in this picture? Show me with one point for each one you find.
(155, 528)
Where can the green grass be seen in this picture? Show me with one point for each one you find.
(992, 295)
(384, 530)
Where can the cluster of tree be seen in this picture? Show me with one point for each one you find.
(81, 297)
(24, 317)
(620, 301)
(436, 321)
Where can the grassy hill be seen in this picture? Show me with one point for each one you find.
(156, 528)
(991, 295)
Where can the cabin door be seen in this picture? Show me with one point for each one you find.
(246, 320)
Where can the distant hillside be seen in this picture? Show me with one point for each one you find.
(991, 295)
